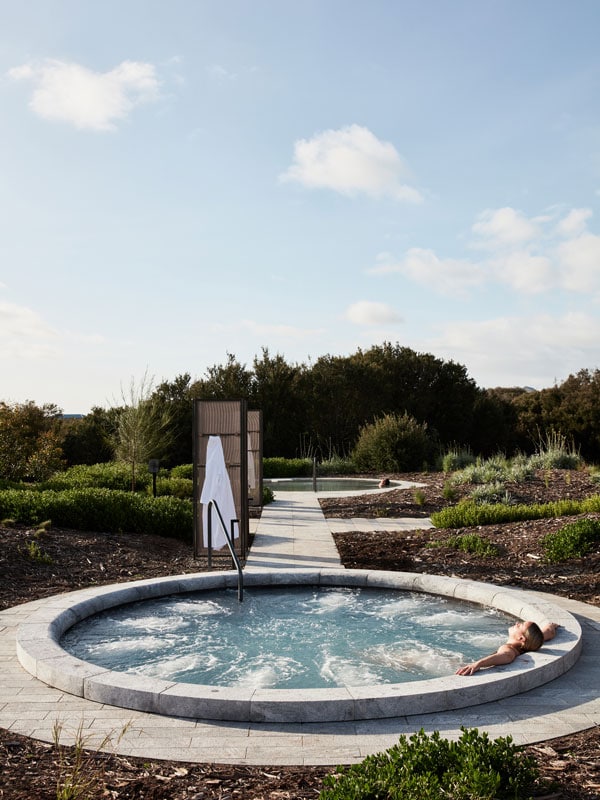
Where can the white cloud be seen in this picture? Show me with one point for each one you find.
(521, 351)
(503, 227)
(219, 72)
(579, 263)
(574, 223)
(448, 275)
(529, 256)
(267, 330)
(369, 313)
(24, 334)
(69, 92)
(526, 272)
(351, 160)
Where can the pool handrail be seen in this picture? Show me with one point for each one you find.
(229, 537)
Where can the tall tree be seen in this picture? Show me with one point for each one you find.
(276, 392)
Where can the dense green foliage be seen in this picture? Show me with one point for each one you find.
(468, 514)
(111, 475)
(393, 444)
(100, 510)
(573, 541)
(29, 441)
(287, 467)
(425, 767)
(317, 409)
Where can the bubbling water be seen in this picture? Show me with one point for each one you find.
(292, 637)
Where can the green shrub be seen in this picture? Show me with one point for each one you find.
(432, 768)
(336, 465)
(173, 487)
(468, 543)
(393, 443)
(419, 497)
(490, 493)
(34, 552)
(554, 451)
(101, 510)
(449, 492)
(267, 495)
(573, 541)
(481, 472)
(110, 475)
(468, 514)
(457, 458)
(183, 471)
(287, 467)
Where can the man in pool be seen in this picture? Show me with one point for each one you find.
(523, 637)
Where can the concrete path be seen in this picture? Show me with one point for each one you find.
(292, 532)
(27, 706)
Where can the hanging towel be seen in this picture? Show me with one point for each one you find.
(251, 469)
(217, 487)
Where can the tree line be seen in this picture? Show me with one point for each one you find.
(315, 409)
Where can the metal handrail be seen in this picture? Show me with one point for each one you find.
(230, 544)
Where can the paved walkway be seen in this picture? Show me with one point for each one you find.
(27, 706)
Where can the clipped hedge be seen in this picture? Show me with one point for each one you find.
(100, 510)
(468, 514)
(183, 471)
(287, 467)
(111, 475)
(173, 487)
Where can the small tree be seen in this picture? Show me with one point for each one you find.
(393, 443)
(144, 428)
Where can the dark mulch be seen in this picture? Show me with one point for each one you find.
(69, 560)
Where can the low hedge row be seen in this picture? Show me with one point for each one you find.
(100, 510)
(468, 514)
(287, 467)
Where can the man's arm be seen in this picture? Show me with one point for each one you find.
(549, 630)
(504, 655)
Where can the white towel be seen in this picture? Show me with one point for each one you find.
(217, 487)
(251, 469)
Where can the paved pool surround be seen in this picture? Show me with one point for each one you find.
(40, 653)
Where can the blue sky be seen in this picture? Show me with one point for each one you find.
(181, 180)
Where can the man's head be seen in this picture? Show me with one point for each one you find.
(528, 635)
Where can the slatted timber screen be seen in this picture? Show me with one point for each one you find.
(227, 419)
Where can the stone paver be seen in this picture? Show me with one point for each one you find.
(567, 704)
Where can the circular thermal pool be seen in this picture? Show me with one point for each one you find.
(337, 485)
(290, 637)
(40, 651)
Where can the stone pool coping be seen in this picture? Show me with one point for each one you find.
(278, 485)
(40, 653)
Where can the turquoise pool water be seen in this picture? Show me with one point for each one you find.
(289, 637)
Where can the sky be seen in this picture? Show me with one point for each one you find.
(184, 180)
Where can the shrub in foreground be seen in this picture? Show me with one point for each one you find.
(101, 510)
(432, 768)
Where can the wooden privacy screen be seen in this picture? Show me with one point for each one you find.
(227, 419)
(255, 475)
